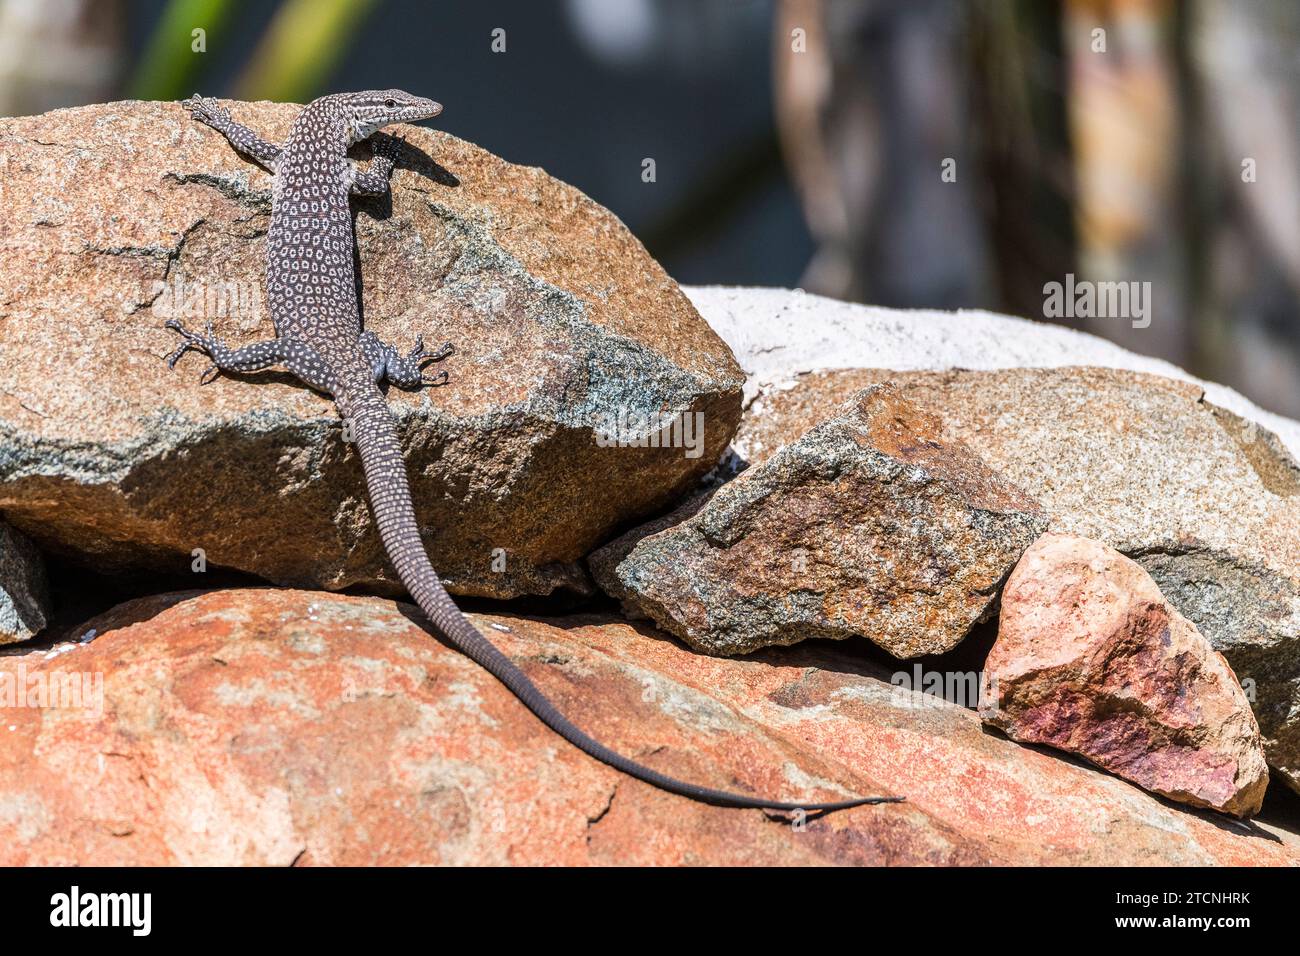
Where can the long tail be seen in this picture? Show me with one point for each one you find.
(390, 498)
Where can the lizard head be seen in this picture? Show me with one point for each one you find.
(374, 109)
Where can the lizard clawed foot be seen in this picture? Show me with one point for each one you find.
(198, 343)
(207, 110)
(418, 354)
(388, 146)
(192, 340)
(404, 371)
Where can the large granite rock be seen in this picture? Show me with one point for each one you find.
(122, 215)
(868, 525)
(1207, 502)
(281, 727)
(24, 595)
(278, 727)
(1091, 658)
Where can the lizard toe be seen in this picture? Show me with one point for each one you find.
(175, 356)
(419, 354)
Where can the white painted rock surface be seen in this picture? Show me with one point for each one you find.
(778, 333)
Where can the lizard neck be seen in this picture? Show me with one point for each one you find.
(315, 154)
(322, 128)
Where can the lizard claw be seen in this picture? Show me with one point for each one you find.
(195, 342)
(439, 379)
(418, 354)
(388, 146)
(188, 342)
(207, 110)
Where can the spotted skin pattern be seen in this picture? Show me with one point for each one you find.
(311, 294)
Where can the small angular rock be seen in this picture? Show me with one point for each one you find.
(1091, 659)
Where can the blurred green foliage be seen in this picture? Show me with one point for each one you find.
(301, 46)
(300, 49)
(169, 64)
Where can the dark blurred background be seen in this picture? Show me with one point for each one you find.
(900, 152)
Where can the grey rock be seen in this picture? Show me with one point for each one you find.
(867, 525)
(24, 597)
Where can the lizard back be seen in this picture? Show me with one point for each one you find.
(310, 275)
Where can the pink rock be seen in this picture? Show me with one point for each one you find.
(1091, 658)
(273, 727)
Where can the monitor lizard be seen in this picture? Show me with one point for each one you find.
(311, 295)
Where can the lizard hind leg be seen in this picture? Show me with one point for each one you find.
(297, 357)
(250, 358)
(404, 371)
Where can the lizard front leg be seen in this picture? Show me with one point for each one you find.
(373, 179)
(298, 357)
(208, 111)
(404, 371)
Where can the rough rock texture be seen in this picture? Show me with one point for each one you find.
(119, 216)
(1092, 659)
(867, 525)
(24, 599)
(1207, 502)
(280, 727)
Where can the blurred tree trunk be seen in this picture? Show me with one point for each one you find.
(1127, 128)
(871, 110)
(1019, 78)
(1246, 58)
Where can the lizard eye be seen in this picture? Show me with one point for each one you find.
(390, 103)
